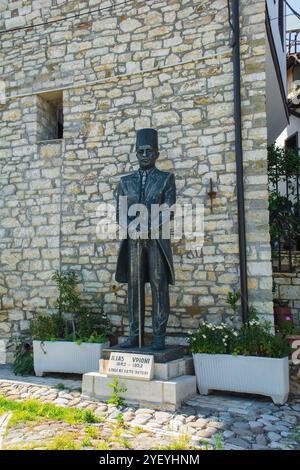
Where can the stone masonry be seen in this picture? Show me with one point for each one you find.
(287, 288)
(166, 64)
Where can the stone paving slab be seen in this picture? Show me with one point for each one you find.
(6, 373)
(220, 402)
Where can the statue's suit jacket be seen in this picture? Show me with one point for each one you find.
(159, 189)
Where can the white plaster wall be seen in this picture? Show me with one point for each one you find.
(276, 115)
(289, 131)
(280, 49)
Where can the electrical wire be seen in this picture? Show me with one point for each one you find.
(284, 16)
(114, 6)
(296, 13)
(65, 18)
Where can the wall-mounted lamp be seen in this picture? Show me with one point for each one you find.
(212, 194)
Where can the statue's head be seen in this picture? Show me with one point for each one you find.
(147, 148)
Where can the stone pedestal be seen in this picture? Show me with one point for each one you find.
(173, 381)
(170, 353)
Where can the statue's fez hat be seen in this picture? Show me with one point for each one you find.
(147, 137)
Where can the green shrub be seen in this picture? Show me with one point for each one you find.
(23, 363)
(72, 320)
(232, 300)
(252, 339)
(115, 398)
(212, 339)
(48, 327)
(256, 339)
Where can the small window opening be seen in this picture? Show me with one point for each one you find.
(50, 118)
(292, 142)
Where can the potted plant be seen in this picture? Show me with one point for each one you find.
(71, 339)
(248, 359)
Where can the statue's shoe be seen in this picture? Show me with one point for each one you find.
(158, 344)
(130, 342)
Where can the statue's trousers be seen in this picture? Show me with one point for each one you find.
(153, 263)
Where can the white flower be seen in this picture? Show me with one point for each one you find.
(203, 336)
(235, 333)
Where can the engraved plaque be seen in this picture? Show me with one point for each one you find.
(131, 365)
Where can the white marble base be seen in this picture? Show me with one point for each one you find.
(160, 394)
(163, 371)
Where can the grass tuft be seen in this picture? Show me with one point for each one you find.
(35, 410)
(64, 442)
(182, 443)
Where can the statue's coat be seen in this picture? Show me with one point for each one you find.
(160, 189)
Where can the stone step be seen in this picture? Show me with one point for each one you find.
(162, 371)
(161, 394)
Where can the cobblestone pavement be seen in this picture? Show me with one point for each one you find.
(242, 423)
(52, 435)
(70, 381)
(4, 420)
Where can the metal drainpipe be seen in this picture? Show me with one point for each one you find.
(239, 159)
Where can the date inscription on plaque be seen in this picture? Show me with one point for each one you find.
(130, 365)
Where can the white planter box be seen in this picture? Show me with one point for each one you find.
(244, 374)
(66, 357)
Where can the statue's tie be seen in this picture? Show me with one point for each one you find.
(143, 184)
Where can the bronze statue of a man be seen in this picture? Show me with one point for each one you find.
(146, 258)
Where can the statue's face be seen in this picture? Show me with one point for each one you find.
(146, 156)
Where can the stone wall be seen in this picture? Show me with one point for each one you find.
(287, 289)
(166, 64)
